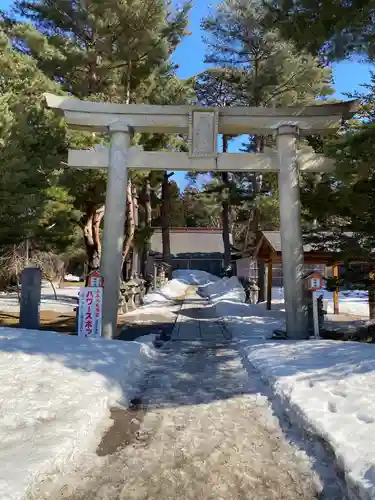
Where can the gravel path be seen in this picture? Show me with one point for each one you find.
(201, 430)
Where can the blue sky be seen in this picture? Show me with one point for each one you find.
(348, 75)
(189, 56)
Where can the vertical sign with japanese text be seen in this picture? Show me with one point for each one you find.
(90, 312)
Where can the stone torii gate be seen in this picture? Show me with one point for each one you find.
(202, 125)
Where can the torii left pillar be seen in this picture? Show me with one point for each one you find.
(290, 231)
(114, 222)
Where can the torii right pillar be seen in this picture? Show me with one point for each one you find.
(290, 230)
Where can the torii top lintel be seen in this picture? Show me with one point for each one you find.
(89, 115)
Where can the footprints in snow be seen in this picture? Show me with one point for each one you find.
(332, 407)
(364, 418)
(341, 394)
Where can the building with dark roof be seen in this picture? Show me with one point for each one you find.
(191, 248)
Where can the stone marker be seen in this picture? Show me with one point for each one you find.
(31, 291)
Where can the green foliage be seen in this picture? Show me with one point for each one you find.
(32, 146)
(265, 69)
(218, 87)
(105, 48)
(331, 28)
(254, 66)
(343, 203)
(200, 208)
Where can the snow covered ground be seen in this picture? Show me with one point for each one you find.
(66, 300)
(326, 387)
(353, 302)
(72, 278)
(174, 289)
(55, 401)
(190, 436)
(178, 286)
(55, 407)
(67, 297)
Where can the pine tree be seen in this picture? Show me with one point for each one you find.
(201, 209)
(343, 202)
(32, 145)
(270, 72)
(102, 50)
(219, 88)
(330, 28)
(255, 67)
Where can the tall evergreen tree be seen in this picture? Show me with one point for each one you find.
(343, 202)
(107, 50)
(331, 28)
(32, 145)
(256, 67)
(270, 71)
(201, 209)
(219, 88)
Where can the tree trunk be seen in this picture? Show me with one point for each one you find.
(128, 83)
(135, 259)
(128, 242)
(146, 200)
(225, 212)
(371, 301)
(257, 184)
(91, 233)
(165, 218)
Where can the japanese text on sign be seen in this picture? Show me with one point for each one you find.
(94, 279)
(90, 312)
(314, 282)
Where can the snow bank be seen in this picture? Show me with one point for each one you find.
(72, 278)
(228, 297)
(55, 397)
(174, 289)
(66, 300)
(352, 302)
(326, 387)
(177, 287)
(195, 277)
(224, 289)
(249, 321)
(329, 388)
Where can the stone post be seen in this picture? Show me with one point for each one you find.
(31, 282)
(155, 278)
(291, 237)
(114, 221)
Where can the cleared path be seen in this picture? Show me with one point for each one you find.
(200, 430)
(196, 322)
